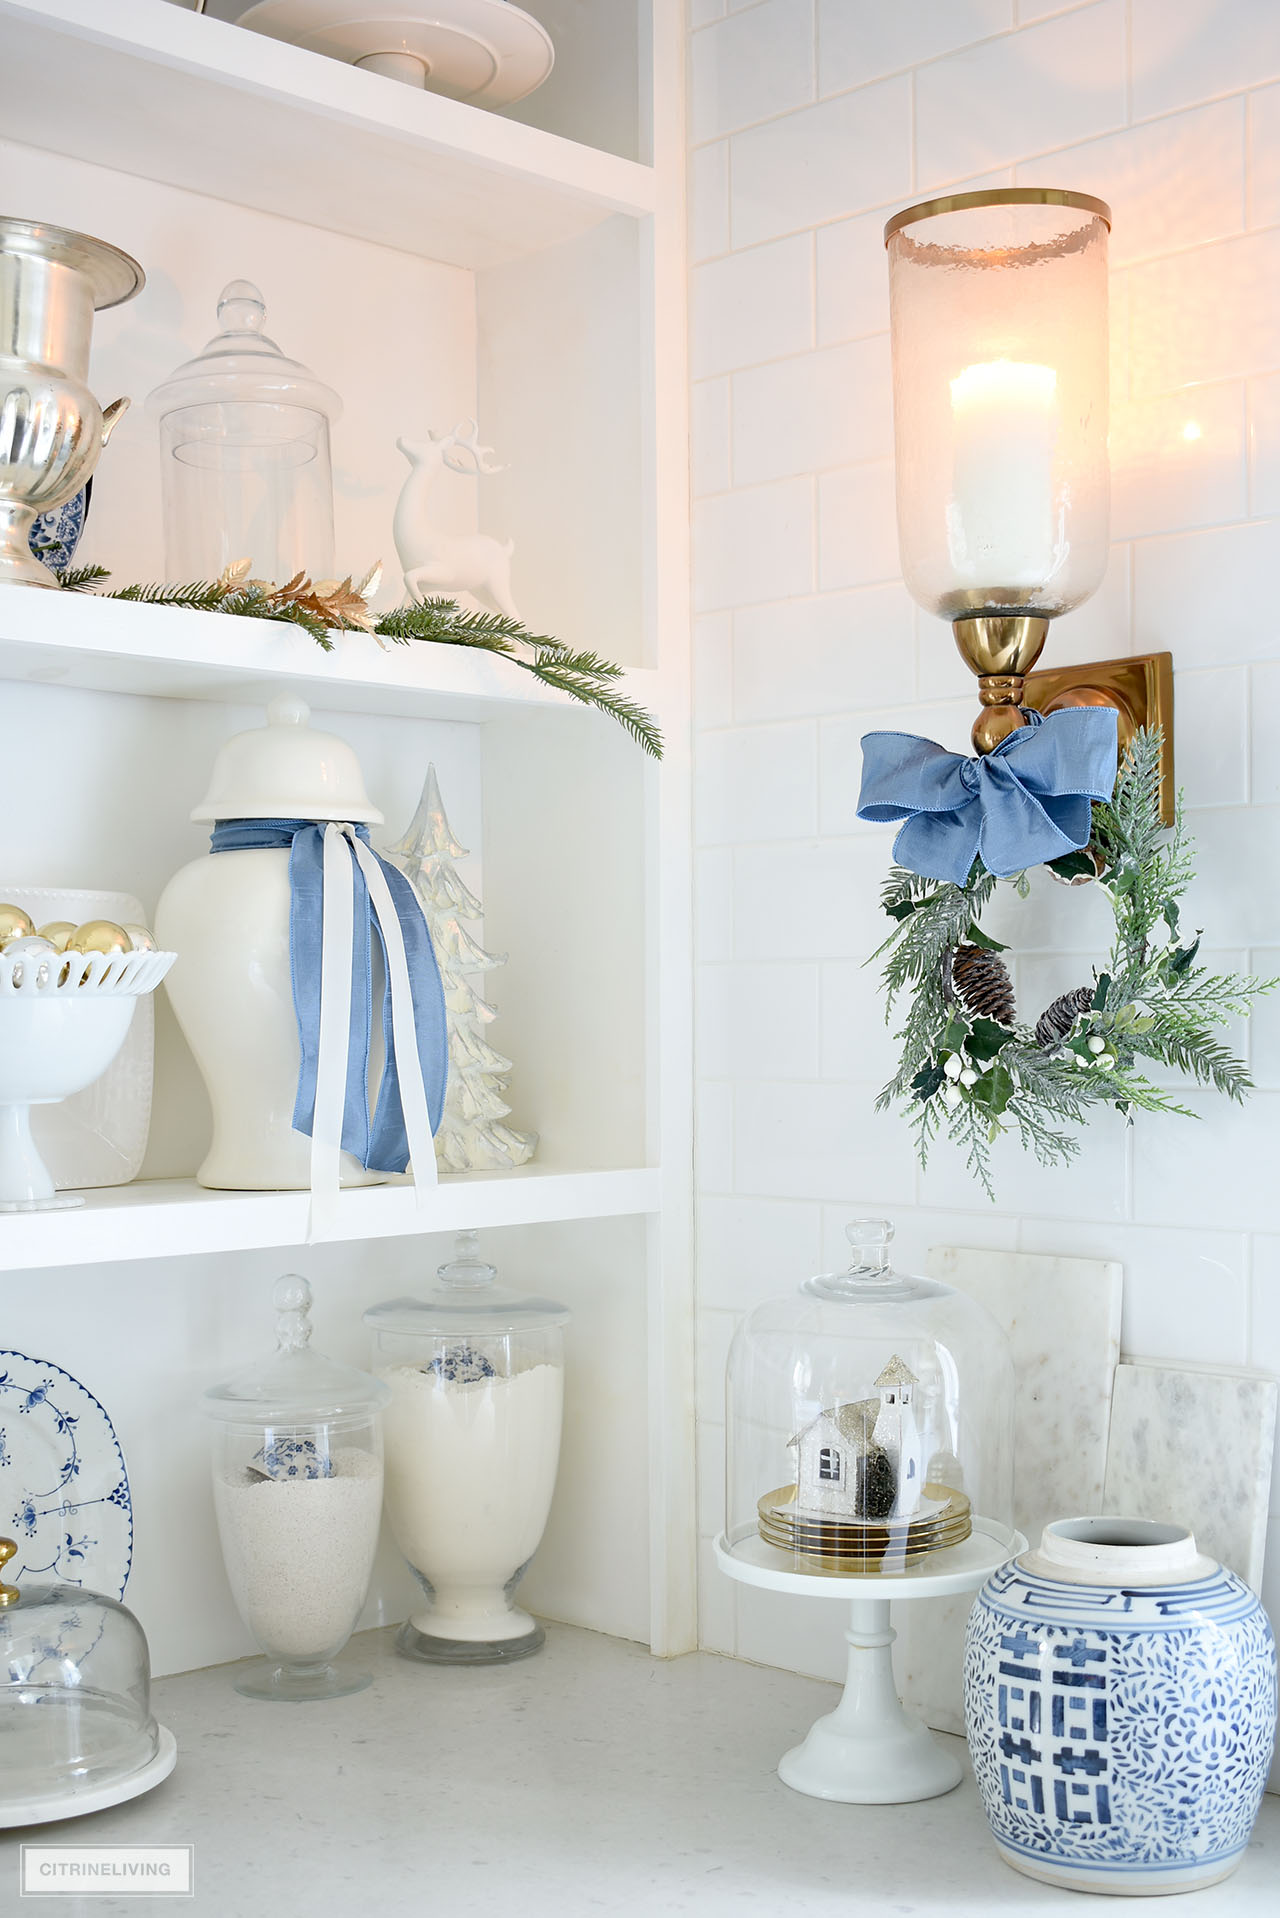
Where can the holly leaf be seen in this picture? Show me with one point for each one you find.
(927, 1081)
(1100, 992)
(1169, 912)
(995, 1089)
(1074, 865)
(1179, 961)
(977, 937)
(987, 1037)
(956, 1033)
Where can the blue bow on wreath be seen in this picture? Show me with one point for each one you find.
(1026, 802)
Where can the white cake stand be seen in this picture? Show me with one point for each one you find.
(490, 53)
(869, 1751)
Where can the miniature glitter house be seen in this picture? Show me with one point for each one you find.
(864, 1460)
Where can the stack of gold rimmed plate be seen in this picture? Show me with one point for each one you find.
(849, 1546)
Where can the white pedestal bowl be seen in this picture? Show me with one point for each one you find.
(63, 1018)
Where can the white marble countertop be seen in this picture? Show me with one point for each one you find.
(590, 1779)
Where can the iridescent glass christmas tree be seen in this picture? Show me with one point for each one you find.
(472, 1136)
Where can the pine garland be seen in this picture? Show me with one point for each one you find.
(320, 607)
(971, 1078)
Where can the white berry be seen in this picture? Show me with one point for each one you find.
(952, 1094)
(968, 1077)
(953, 1067)
(1107, 1062)
(1096, 1044)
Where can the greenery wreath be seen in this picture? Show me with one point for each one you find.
(971, 1071)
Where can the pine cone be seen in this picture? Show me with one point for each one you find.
(982, 984)
(1056, 1021)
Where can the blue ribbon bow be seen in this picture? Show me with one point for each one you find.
(1025, 802)
(381, 1145)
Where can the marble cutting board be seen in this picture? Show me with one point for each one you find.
(1062, 1318)
(1194, 1444)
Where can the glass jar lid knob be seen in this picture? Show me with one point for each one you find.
(291, 1297)
(466, 1268)
(241, 308)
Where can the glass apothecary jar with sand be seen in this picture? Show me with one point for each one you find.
(297, 1487)
(476, 1377)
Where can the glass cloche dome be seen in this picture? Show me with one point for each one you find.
(870, 1421)
(76, 1730)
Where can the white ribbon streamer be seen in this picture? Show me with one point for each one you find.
(404, 1029)
(336, 988)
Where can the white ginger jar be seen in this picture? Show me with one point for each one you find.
(228, 914)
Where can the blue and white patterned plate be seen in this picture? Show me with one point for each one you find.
(64, 1490)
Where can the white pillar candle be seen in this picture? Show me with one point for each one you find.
(1002, 519)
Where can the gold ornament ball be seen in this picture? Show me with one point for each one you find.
(15, 924)
(140, 939)
(99, 935)
(57, 932)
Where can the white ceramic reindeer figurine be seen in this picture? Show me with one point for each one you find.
(447, 564)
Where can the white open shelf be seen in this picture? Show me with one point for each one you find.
(120, 646)
(565, 334)
(166, 1218)
(173, 96)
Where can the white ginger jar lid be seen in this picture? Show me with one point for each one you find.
(287, 770)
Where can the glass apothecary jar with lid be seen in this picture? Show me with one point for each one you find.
(246, 471)
(870, 1422)
(475, 1372)
(297, 1488)
(76, 1729)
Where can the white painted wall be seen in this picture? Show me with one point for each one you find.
(811, 120)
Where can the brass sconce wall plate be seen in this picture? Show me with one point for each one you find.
(1140, 689)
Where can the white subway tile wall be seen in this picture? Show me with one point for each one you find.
(811, 121)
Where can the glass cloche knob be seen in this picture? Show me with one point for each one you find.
(869, 1242)
(9, 1594)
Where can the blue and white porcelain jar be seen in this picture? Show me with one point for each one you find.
(1120, 1703)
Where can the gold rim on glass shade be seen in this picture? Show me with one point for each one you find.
(997, 196)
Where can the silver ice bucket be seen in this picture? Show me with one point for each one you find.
(51, 433)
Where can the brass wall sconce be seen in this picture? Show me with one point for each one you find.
(998, 305)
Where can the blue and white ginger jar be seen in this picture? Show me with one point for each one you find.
(1120, 1704)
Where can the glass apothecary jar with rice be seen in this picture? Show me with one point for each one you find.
(870, 1423)
(297, 1487)
(476, 1377)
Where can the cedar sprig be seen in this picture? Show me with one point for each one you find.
(321, 606)
(583, 675)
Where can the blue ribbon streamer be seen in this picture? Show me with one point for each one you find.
(1027, 801)
(380, 1144)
